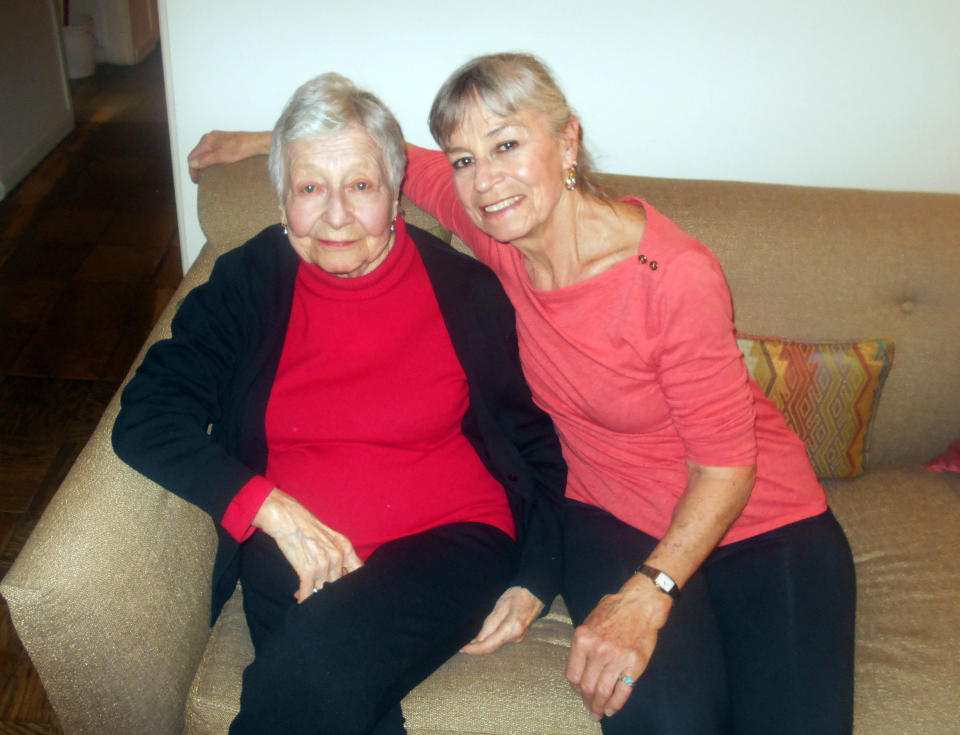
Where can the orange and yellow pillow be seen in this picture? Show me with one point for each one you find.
(827, 391)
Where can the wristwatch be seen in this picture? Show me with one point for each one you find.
(663, 581)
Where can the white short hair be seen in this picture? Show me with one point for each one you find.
(327, 104)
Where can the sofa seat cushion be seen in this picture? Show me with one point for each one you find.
(519, 689)
(902, 525)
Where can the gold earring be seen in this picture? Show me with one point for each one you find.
(571, 180)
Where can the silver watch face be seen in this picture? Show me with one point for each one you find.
(664, 582)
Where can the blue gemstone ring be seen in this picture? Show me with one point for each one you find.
(628, 680)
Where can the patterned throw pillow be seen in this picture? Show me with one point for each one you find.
(827, 391)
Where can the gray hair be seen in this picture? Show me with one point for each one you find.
(327, 104)
(507, 83)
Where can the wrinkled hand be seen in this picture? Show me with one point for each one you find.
(317, 553)
(221, 146)
(509, 621)
(616, 639)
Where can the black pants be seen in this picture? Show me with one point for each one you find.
(341, 662)
(760, 642)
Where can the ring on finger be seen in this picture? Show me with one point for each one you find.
(628, 680)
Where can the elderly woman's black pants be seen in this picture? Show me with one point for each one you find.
(341, 662)
(760, 643)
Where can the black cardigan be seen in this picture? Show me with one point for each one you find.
(192, 418)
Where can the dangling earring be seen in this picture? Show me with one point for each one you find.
(571, 180)
(283, 219)
(393, 225)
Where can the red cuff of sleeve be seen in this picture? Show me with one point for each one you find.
(238, 520)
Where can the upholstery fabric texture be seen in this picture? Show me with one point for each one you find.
(827, 391)
(902, 524)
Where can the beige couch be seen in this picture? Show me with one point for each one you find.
(111, 593)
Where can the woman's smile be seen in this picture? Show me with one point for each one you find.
(335, 243)
(503, 204)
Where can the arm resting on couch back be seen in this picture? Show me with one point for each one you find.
(111, 593)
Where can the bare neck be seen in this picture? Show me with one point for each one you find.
(583, 237)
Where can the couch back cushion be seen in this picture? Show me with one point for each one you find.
(803, 263)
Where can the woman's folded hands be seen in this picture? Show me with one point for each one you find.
(317, 553)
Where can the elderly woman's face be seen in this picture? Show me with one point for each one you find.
(509, 171)
(338, 202)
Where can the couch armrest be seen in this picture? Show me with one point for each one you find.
(111, 593)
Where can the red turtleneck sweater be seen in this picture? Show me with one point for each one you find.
(363, 423)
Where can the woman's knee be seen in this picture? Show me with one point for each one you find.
(285, 695)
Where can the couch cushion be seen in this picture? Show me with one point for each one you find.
(827, 391)
(903, 524)
(518, 689)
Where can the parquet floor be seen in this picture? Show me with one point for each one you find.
(89, 256)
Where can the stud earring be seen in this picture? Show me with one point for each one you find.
(571, 179)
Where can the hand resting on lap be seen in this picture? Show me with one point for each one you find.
(317, 553)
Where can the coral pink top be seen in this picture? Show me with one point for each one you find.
(364, 419)
(640, 371)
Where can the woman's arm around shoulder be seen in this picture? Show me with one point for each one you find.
(223, 146)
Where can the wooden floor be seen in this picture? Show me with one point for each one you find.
(89, 256)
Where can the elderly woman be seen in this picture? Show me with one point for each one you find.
(682, 474)
(375, 465)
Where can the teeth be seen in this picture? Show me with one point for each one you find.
(502, 205)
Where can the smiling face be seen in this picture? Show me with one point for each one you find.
(338, 202)
(509, 171)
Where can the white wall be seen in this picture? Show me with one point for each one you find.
(36, 112)
(864, 93)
